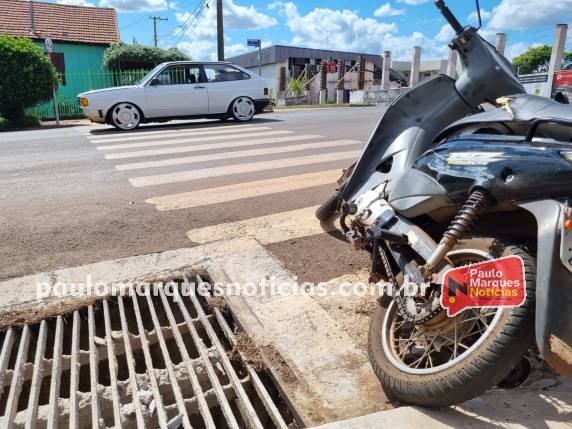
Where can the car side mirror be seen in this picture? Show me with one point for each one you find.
(154, 82)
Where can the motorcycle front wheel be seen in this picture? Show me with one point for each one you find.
(449, 360)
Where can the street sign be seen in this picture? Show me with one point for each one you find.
(257, 44)
(332, 67)
(49, 44)
(533, 78)
(253, 42)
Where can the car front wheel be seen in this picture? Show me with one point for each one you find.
(125, 116)
(242, 109)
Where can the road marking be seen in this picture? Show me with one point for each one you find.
(103, 132)
(266, 229)
(234, 155)
(228, 170)
(193, 139)
(173, 134)
(239, 191)
(224, 145)
(87, 131)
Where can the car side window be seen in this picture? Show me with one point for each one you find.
(180, 75)
(174, 75)
(223, 73)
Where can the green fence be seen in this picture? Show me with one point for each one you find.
(72, 84)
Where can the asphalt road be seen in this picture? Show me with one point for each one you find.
(77, 195)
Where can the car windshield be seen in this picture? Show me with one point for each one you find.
(149, 74)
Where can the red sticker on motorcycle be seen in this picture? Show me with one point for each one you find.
(495, 283)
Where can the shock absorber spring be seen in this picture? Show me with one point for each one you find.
(468, 215)
(477, 202)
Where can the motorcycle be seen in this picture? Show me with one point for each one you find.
(457, 173)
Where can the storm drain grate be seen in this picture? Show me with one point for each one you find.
(158, 360)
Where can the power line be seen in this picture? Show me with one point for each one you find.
(132, 22)
(179, 30)
(192, 19)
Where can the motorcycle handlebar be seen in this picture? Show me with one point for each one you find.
(448, 15)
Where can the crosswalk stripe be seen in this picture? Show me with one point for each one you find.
(180, 133)
(234, 155)
(266, 229)
(193, 139)
(227, 170)
(238, 191)
(212, 146)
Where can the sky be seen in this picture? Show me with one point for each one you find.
(358, 26)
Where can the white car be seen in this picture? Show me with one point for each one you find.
(180, 90)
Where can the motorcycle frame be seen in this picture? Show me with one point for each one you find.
(410, 127)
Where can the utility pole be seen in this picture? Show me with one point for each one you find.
(415, 66)
(386, 73)
(155, 19)
(501, 43)
(219, 30)
(556, 57)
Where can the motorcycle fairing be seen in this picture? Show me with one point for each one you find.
(406, 131)
(553, 287)
(516, 108)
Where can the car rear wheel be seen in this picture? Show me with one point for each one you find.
(242, 109)
(125, 116)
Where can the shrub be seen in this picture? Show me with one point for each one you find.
(27, 76)
(297, 86)
(121, 56)
(28, 121)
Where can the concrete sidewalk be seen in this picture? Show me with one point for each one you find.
(333, 385)
(545, 404)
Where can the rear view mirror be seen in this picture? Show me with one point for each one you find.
(155, 81)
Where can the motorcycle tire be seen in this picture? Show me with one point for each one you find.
(329, 209)
(488, 364)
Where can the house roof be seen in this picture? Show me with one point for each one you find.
(64, 23)
(279, 53)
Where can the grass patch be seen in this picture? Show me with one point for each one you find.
(25, 122)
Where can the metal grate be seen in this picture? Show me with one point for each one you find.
(134, 361)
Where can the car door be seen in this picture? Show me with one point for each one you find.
(177, 90)
(224, 83)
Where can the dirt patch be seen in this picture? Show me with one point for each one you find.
(261, 357)
(279, 365)
(246, 350)
(351, 311)
(34, 313)
(217, 302)
(320, 257)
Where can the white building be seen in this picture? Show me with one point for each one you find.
(281, 64)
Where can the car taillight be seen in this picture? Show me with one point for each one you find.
(265, 91)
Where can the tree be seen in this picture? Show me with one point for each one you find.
(27, 76)
(121, 56)
(536, 60)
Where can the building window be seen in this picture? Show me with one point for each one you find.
(59, 63)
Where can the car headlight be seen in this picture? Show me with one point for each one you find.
(84, 102)
(567, 156)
